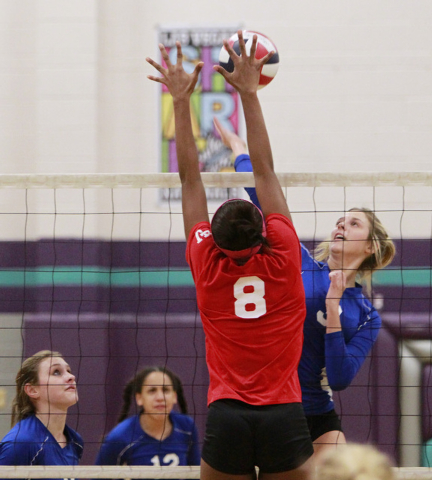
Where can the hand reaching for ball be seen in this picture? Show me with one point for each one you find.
(247, 68)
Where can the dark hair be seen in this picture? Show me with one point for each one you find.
(134, 386)
(22, 405)
(238, 225)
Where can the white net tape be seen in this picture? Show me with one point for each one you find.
(226, 180)
(114, 472)
(100, 472)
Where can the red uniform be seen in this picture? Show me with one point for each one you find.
(252, 315)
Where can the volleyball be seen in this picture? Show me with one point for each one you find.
(264, 46)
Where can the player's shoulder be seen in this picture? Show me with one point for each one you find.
(308, 257)
(26, 430)
(369, 309)
(277, 220)
(199, 232)
(125, 427)
(74, 436)
(357, 295)
(280, 230)
(355, 302)
(184, 422)
(19, 444)
(17, 453)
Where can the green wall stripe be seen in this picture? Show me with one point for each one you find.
(409, 277)
(123, 277)
(95, 276)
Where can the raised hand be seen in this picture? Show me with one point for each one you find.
(230, 139)
(179, 83)
(338, 284)
(245, 76)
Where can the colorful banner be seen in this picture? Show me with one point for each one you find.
(213, 97)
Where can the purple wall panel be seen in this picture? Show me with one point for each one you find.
(355, 406)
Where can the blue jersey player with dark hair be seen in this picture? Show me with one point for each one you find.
(45, 389)
(157, 435)
(341, 325)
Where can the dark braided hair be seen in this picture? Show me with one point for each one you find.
(238, 225)
(134, 386)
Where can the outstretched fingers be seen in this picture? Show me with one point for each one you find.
(156, 65)
(179, 82)
(223, 132)
(165, 55)
(199, 66)
(253, 50)
(163, 71)
(266, 58)
(230, 50)
(242, 44)
(179, 54)
(253, 47)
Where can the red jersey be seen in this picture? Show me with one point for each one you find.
(252, 315)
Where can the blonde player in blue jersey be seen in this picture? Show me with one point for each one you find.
(45, 389)
(249, 292)
(341, 324)
(156, 435)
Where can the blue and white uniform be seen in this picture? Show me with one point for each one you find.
(329, 361)
(128, 444)
(31, 443)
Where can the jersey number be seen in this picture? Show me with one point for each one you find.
(249, 294)
(170, 459)
(322, 320)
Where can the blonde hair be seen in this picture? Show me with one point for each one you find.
(353, 462)
(382, 245)
(22, 405)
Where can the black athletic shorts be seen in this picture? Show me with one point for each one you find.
(240, 436)
(320, 424)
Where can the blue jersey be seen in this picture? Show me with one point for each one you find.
(31, 443)
(128, 444)
(329, 361)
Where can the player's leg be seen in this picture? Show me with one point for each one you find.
(325, 430)
(329, 440)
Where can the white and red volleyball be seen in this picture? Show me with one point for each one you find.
(264, 46)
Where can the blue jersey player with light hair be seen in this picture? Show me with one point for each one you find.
(341, 325)
(45, 389)
(157, 435)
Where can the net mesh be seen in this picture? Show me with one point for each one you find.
(93, 266)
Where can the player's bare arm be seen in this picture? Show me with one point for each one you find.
(245, 79)
(181, 86)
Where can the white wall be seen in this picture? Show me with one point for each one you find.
(353, 93)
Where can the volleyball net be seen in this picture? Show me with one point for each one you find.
(94, 266)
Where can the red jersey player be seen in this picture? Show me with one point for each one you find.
(249, 292)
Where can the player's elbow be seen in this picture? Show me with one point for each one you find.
(340, 380)
(338, 387)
